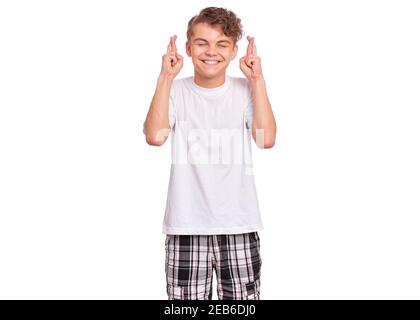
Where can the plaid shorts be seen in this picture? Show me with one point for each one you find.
(190, 260)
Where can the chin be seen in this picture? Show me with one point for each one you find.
(210, 74)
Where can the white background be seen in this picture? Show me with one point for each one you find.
(82, 196)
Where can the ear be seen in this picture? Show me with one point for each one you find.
(188, 48)
(235, 52)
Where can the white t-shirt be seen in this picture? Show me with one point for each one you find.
(211, 186)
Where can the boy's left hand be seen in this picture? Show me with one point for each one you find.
(250, 64)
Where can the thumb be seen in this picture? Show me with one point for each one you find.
(243, 60)
(179, 57)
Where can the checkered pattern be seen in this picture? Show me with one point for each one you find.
(190, 260)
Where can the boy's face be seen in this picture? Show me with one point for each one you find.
(211, 50)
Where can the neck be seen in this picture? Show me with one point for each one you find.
(209, 82)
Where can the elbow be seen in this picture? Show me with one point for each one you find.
(269, 144)
(156, 138)
(270, 139)
(153, 142)
(264, 141)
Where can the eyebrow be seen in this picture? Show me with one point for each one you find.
(201, 39)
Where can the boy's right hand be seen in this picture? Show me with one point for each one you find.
(172, 61)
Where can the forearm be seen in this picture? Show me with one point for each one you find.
(263, 118)
(157, 120)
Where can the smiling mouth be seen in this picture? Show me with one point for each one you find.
(211, 62)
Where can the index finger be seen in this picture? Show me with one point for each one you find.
(173, 39)
(250, 44)
(169, 48)
(253, 46)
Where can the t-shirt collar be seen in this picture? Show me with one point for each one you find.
(216, 91)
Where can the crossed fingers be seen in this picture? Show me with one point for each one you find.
(172, 50)
(252, 48)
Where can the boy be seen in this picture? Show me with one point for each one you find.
(212, 215)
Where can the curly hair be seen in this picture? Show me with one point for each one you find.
(230, 23)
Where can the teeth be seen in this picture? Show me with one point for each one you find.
(211, 61)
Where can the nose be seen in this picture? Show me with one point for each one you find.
(211, 50)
